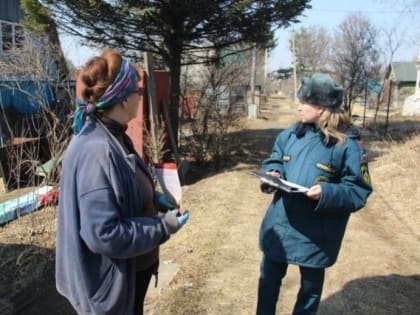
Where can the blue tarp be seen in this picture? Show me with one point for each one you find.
(23, 95)
(5, 97)
(29, 202)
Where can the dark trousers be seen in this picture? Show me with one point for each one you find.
(308, 298)
(143, 278)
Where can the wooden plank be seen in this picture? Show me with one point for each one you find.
(171, 134)
(153, 112)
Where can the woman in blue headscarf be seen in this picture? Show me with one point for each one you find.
(111, 220)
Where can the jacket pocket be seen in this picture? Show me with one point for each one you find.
(272, 241)
(326, 173)
(326, 168)
(104, 288)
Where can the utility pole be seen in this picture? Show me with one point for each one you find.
(253, 108)
(294, 66)
(265, 71)
(153, 112)
(254, 57)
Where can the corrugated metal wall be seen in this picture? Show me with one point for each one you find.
(10, 11)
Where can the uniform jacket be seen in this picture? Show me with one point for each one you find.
(306, 232)
(98, 233)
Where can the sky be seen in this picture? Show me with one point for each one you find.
(78, 54)
(383, 14)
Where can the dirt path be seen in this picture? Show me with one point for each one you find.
(377, 271)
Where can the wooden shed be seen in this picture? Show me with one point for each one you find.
(400, 82)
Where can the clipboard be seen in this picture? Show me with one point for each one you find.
(280, 183)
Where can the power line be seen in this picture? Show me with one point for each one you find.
(363, 11)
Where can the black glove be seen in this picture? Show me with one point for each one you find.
(266, 188)
(164, 202)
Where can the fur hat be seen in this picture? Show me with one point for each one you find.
(320, 89)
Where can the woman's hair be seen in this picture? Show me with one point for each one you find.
(98, 73)
(332, 123)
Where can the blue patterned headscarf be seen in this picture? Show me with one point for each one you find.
(123, 84)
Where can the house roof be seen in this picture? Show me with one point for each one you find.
(404, 71)
(11, 11)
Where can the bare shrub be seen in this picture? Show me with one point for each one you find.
(219, 106)
(160, 149)
(42, 130)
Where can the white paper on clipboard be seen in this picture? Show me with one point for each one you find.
(168, 179)
(280, 183)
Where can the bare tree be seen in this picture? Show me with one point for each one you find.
(393, 40)
(311, 49)
(402, 32)
(412, 9)
(355, 56)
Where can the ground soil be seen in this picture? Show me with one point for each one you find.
(214, 260)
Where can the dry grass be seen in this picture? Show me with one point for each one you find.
(26, 251)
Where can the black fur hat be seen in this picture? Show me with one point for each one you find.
(320, 89)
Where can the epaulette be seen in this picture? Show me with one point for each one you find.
(353, 132)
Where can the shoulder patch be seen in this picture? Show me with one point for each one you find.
(364, 170)
(365, 173)
(363, 155)
(360, 144)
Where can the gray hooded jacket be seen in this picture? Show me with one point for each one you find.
(98, 232)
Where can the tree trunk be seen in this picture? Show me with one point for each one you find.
(175, 71)
(52, 35)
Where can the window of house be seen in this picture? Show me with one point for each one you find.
(6, 35)
(19, 37)
(12, 36)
